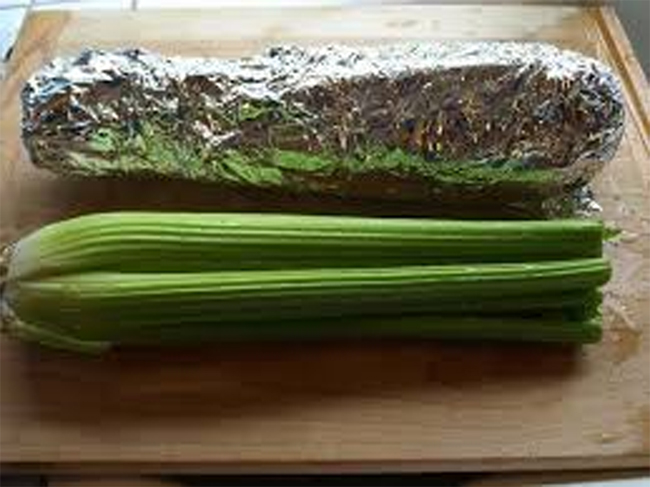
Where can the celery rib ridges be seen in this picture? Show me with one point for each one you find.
(189, 242)
(160, 278)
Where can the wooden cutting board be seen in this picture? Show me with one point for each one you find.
(340, 406)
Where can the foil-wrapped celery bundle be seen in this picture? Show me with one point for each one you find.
(505, 122)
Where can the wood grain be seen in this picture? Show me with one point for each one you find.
(354, 406)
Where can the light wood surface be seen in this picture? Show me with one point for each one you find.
(343, 407)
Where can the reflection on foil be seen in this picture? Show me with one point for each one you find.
(516, 108)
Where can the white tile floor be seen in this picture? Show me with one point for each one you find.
(13, 3)
(167, 4)
(78, 4)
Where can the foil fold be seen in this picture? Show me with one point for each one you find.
(506, 105)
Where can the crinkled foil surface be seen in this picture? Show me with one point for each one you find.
(515, 106)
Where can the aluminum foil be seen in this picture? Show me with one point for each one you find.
(320, 118)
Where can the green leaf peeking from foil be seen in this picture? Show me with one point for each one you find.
(251, 111)
(237, 167)
(400, 163)
(153, 148)
(474, 175)
(303, 162)
(103, 140)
